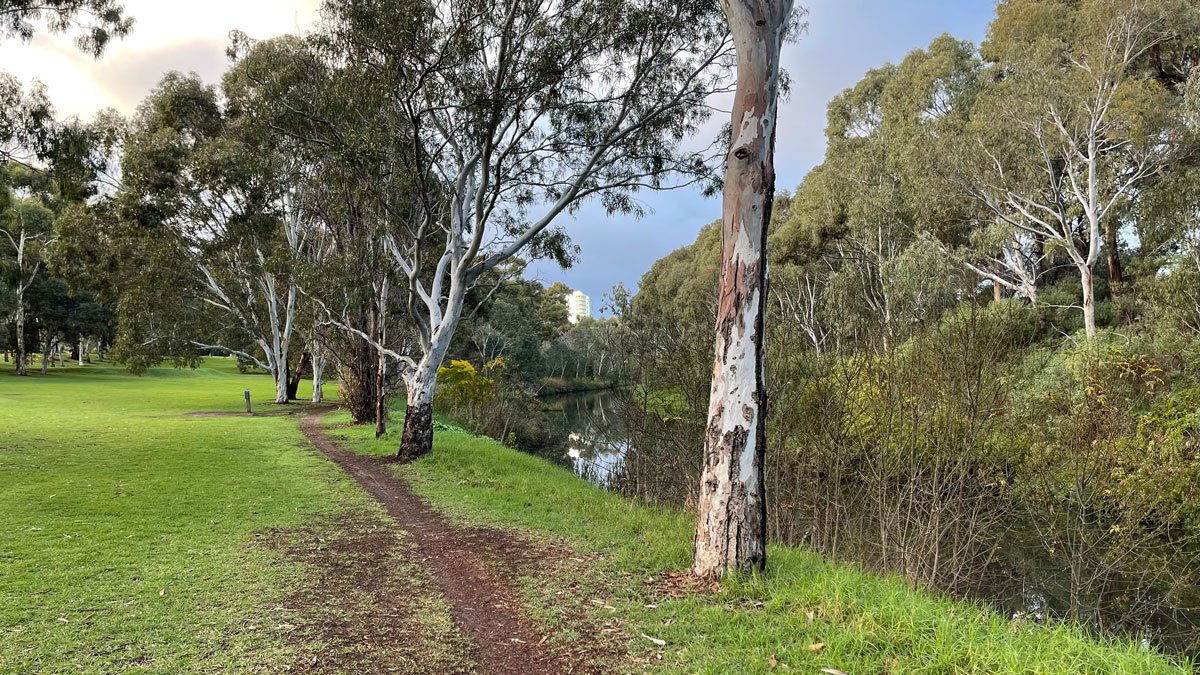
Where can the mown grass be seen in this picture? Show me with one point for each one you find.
(128, 529)
(804, 615)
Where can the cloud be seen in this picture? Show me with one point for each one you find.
(167, 35)
(127, 78)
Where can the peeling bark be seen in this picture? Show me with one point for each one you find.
(731, 524)
(1116, 274)
(417, 439)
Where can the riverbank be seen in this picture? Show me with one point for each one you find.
(624, 575)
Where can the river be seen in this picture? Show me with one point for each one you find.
(588, 434)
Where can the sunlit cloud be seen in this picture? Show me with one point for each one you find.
(168, 35)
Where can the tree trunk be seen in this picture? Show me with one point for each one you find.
(318, 368)
(1089, 301)
(731, 524)
(20, 356)
(297, 375)
(281, 380)
(381, 411)
(417, 440)
(1116, 275)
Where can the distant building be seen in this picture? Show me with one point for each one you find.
(578, 306)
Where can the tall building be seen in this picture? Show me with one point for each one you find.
(578, 306)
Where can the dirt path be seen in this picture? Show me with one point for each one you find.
(483, 604)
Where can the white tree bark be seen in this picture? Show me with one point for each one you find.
(249, 290)
(731, 524)
(19, 320)
(318, 368)
(20, 244)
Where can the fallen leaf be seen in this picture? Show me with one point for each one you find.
(810, 615)
(774, 661)
(816, 646)
(162, 591)
(833, 671)
(660, 643)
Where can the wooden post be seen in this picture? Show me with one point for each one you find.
(246, 394)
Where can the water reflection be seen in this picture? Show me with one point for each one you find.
(589, 434)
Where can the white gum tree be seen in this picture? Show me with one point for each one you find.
(506, 117)
(731, 524)
(1089, 137)
(217, 190)
(246, 286)
(27, 228)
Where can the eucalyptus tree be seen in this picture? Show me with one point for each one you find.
(506, 117)
(731, 527)
(27, 229)
(223, 203)
(1073, 132)
(26, 117)
(95, 22)
(334, 120)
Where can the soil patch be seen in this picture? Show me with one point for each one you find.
(463, 565)
(365, 606)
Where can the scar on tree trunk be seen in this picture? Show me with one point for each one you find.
(417, 440)
(1116, 275)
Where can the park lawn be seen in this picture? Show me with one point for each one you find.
(129, 531)
(860, 623)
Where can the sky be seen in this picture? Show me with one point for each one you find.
(845, 39)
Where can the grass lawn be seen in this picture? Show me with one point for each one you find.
(804, 616)
(128, 530)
